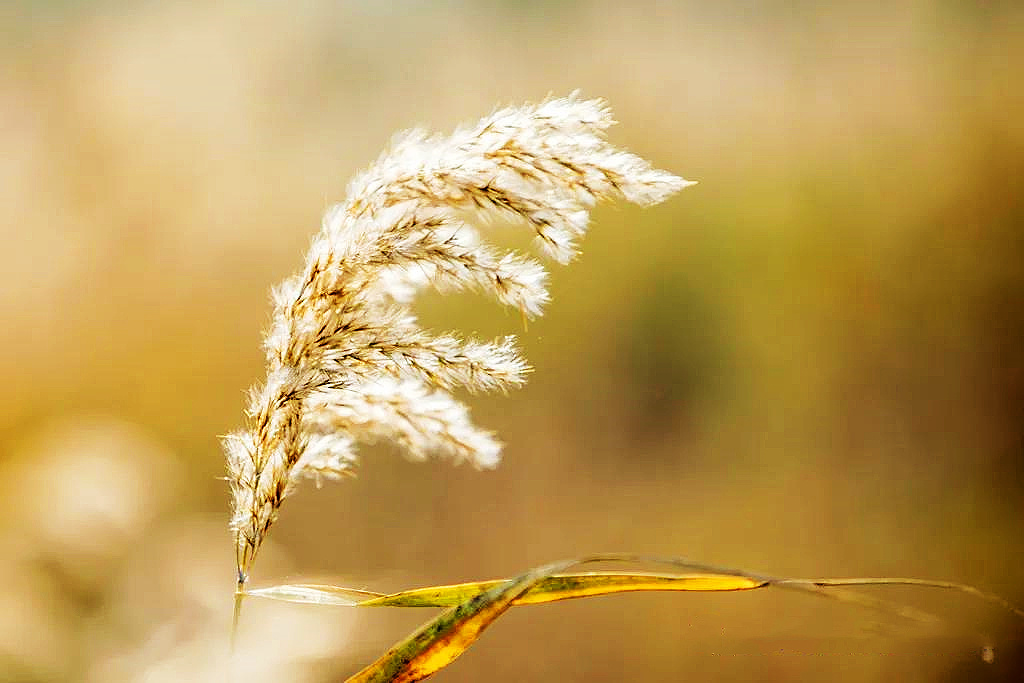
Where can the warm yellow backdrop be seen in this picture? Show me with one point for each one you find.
(811, 363)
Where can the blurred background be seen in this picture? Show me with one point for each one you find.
(810, 364)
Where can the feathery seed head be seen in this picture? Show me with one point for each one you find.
(346, 360)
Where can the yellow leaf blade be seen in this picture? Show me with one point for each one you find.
(314, 594)
(477, 604)
(441, 641)
(566, 587)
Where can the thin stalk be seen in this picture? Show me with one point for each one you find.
(239, 594)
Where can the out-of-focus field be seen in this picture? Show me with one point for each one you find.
(809, 364)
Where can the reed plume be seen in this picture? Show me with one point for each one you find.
(347, 361)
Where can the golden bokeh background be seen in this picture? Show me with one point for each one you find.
(810, 364)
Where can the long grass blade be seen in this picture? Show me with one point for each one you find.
(315, 594)
(475, 605)
(441, 641)
(565, 587)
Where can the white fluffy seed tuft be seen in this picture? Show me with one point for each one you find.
(346, 360)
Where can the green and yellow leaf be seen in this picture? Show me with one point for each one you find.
(441, 641)
(565, 587)
(473, 606)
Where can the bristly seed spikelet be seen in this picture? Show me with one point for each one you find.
(347, 361)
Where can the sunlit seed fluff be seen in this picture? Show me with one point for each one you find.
(347, 361)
